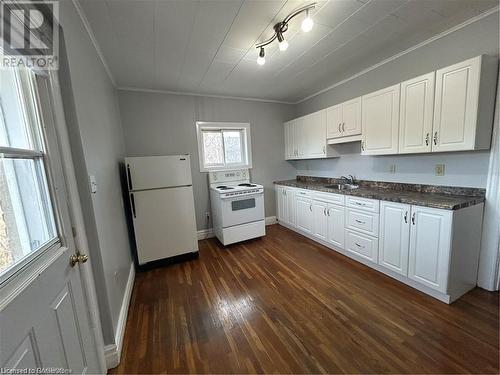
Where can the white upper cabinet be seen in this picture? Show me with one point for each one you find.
(464, 105)
(380, 121)
(334, 121)
(416, 111)
(344, 120)
(315, 134)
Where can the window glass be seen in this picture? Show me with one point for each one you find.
(213, 148)
(26, 217)
(232, 147)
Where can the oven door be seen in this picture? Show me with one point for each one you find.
(240, 210)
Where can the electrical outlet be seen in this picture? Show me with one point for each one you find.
(392, 168)
(439, 169)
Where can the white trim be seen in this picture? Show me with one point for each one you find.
(113, 352)
(406, 51)
(92, 37)
(209, 233)
(186, 93)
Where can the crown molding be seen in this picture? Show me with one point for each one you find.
(184, 93)
(400, 54)
(92, 37)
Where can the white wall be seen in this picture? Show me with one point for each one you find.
(462, 169)
(164, 124)
(96, 136)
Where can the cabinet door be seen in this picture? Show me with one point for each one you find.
(334, 121)
(380, 122)
(394, 236)
(286, 130)
(416, 112)
(336, 225)
(430, 236)
(315, 128)
(351, 117)
(299, 136)
(320, 223)
(290, 204)
(456, 104)
(279, 203)
(304, 213)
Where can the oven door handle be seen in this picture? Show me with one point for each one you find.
(238, 197)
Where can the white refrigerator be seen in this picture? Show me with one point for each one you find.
(162, 205)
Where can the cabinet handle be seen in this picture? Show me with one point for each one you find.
(413, 219)
(328, 212)
(406, 217)
(358, 245)
(340, 131)
(360, 204)
(324, 211)
(310, 207)
(362, 146)
(359, 221)
(343, 127)
(435, 138)
(129, 178)
(132, 201)
(427, 139)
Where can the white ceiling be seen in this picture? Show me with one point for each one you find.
(207, 46)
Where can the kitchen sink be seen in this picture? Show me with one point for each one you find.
(342, 186)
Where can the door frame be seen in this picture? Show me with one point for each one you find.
(76, 216)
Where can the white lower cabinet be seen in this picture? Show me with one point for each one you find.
(336, 222)
(320, 225)
(394, 236)
(430, 245)
(433, 250)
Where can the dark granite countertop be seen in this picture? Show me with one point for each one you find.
(437, 197)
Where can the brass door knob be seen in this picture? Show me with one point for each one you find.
(78, 258)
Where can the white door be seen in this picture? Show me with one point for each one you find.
(416, 114)
(336, 225)
(334, 121)
(455, 113)
(380, 122)
(316, 134)
(289, 202)
(394, 236)
(351, 117)
(44, 316)
(430, 236)
(304, 214)
(320, 224)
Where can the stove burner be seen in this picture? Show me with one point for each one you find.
(224, 187)
(247, 184)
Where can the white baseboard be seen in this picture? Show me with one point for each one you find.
(113, 352)
(209, 233)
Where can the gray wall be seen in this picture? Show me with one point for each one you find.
(164, 124)
(465, 169)
(96, 137)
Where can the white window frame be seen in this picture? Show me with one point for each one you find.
(244, 127)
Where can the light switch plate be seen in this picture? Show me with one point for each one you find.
(439, 169)
(93, 184)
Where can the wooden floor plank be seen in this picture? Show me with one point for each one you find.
(286, 304)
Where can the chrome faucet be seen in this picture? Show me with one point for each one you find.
(351, 180)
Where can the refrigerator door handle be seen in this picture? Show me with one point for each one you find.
(132, 201)
(129, 175)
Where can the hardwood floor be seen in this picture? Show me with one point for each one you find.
(288, 305)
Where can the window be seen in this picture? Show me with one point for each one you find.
(223, 145)
(27, 223)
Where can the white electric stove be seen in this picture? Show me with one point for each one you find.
(237, 206)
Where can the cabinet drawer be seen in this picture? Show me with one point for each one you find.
(304, 193)
(330, 198)
(364, 204)
(362, 245)
(366, 222)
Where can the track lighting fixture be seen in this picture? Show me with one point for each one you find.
(281, 27)
(261, 60)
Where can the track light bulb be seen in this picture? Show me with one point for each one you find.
(307, 23)
(261, 60)
(283, 45)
